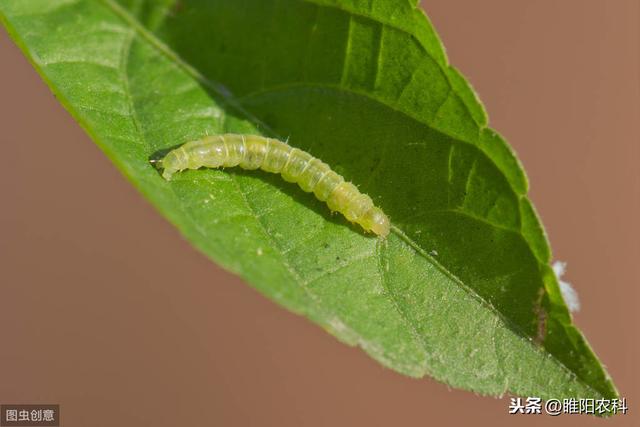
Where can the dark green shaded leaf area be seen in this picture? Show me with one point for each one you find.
(461, 291)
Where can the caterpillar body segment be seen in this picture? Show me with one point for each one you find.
(257, 152)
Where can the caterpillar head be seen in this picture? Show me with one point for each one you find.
(169, 165)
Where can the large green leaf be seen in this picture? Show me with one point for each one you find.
(460, 291)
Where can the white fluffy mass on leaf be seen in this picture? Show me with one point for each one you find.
(568, 293)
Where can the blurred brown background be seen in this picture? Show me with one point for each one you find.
(105, 310)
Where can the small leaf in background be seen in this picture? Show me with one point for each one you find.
(461, 291)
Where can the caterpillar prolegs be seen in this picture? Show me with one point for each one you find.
(257, 152)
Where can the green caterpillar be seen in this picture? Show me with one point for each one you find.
(257, 152)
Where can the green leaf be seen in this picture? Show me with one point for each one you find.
(461, 290)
